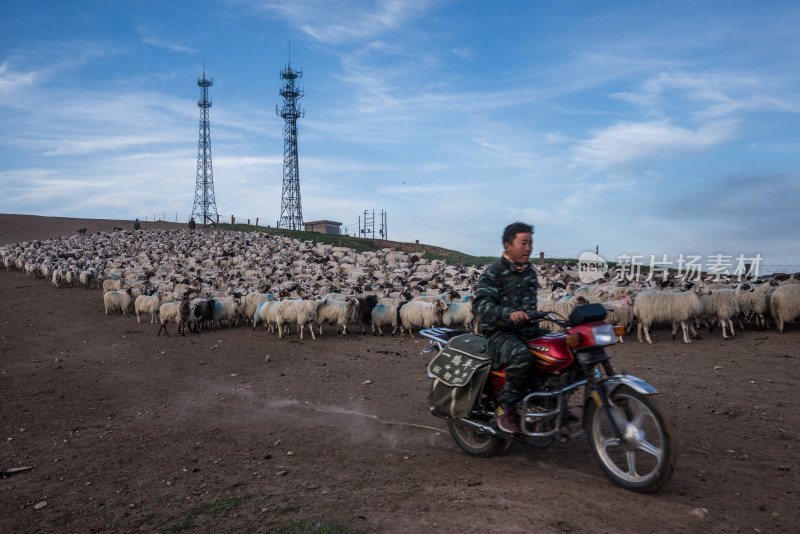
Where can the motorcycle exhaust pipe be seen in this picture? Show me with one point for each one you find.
(472, 424)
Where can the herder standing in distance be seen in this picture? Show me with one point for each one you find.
(505, 292)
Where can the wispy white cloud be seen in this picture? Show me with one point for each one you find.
(628, 142)
(148, 37)
(12, 82)
(708, 95)
(347, 20)
(463, 52)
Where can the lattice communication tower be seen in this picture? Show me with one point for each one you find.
(205, 206)
(291, 210)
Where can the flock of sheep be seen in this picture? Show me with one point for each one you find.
(203, 279)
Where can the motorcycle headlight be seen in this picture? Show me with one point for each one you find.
(604, 334)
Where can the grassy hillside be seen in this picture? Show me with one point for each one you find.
(452, 257)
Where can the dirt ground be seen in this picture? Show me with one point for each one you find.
(235, 430)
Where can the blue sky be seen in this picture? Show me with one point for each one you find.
(638, 127)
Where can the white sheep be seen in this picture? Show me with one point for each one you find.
(87, 278)
(720, 305)
(785, 304)
(58, 276)
(663, 306)
(299, 312)
(174, 312)
(112, 285)
(333, 311)
(118, 301)
(459, 313)
(251, 302)
(267, 313)
(431, 298)
(755, 303)
(71, 278)
(420, 314)
(147, 304)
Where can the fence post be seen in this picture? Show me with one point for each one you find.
(541, 258)
(256, 222)
(340, 240)
(416, 246)
(248, 225)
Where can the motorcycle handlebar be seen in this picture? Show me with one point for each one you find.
(536, 315)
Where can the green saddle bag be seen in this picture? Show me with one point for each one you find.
(459, 373)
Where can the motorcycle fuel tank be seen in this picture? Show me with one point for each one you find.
(552, 355)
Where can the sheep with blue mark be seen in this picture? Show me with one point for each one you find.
(227, 309)
(386, 314)
(252, 301)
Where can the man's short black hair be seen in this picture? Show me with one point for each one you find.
(513, 229)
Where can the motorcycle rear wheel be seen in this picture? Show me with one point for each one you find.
(474, 442)
(644, 459)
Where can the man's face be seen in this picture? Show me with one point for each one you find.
(520, 249)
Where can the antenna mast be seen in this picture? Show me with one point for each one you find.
(291, 210)
(205, 206)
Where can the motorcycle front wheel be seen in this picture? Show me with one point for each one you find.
(644, 458)
(474, 442)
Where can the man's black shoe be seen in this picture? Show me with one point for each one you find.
(507, 421)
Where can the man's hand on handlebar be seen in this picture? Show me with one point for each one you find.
(536, 315)
(530, 315)
(518, 316)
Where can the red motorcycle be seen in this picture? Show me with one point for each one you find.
(628, 431)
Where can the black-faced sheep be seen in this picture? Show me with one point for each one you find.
(362, 313)
(174, 312)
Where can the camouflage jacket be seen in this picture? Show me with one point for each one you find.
(501, 290)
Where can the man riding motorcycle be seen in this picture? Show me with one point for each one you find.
(505, 292)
